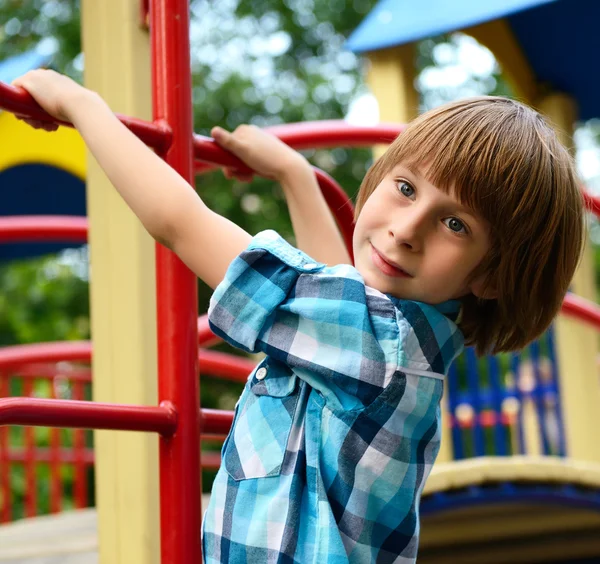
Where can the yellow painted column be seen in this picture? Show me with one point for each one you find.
(498, 37)
(576, 343)
(391, 79)
(123, 297)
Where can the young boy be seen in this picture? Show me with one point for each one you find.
(470, 225)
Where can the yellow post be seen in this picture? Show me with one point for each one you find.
(577, 344)
(391, 79)
(498, 37)
(123, 304)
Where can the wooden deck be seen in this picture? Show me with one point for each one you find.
(66, 538)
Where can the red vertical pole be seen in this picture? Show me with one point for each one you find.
(80, 488)
(55, 480)
(177, 298)
(31, 509)
(5, 466)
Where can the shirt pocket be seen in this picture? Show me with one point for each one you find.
(257, 445)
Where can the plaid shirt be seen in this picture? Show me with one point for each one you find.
(337, 428)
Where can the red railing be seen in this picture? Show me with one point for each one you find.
(179, 332)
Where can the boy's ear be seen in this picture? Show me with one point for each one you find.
(482, 290)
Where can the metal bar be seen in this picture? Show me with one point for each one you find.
(5, 462)
(79, 452)
(180, 476)
(46, 228)
(308, 135)
(216, 421)
(20, 103)
(42, 454)
(55, 478)
(31, 502)
(235, 368)
(88, 415)
(17, 355)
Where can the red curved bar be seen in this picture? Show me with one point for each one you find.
(307, 135)
(17, 355)
(49, 370)
(26, 357)
(592, 202)
(20, 103)
(88, 415)
(235, 368)
(581, 309)
(206, 338)
(50, 228)
(215, 421)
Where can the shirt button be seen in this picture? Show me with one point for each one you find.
(261, 373)
(310, 265)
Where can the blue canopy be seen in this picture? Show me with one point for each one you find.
(560, 38)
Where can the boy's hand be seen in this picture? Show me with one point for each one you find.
(54, 92)
(261, 151)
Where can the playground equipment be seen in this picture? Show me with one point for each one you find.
(510, 410)
(33, 161)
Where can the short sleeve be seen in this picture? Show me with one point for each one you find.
(320, 320)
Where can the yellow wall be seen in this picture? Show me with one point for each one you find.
(21, 144)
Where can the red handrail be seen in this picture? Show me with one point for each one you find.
(88, 415)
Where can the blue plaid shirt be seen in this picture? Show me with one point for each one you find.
(337, 428)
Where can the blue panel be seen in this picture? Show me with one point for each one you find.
(562, 43)
(395, 22)
(14, 67)
(39, 190)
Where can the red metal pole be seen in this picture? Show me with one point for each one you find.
(55, 478)
(31, 502)
(177, 302)
(5, 462)
(88, 415)
(78, 449)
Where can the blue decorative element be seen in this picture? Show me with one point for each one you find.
(37, 189)
(508, 492)
(558, 37)
(14, 67)
(482, 420)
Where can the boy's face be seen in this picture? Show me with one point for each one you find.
(415, 242)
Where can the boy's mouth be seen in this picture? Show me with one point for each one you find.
(386, 266)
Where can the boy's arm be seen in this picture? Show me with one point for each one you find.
(315, 228)
(165, 203)
(316, 231)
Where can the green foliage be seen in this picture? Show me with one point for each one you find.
(43, 300)
(52, 24)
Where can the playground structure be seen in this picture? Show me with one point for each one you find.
(529, 413)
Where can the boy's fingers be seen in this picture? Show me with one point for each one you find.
(221, 136)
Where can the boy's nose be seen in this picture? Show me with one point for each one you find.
(408, 232)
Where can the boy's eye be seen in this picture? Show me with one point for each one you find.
(405, 189)
(455, 225)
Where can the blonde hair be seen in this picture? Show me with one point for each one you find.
(501, 159)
